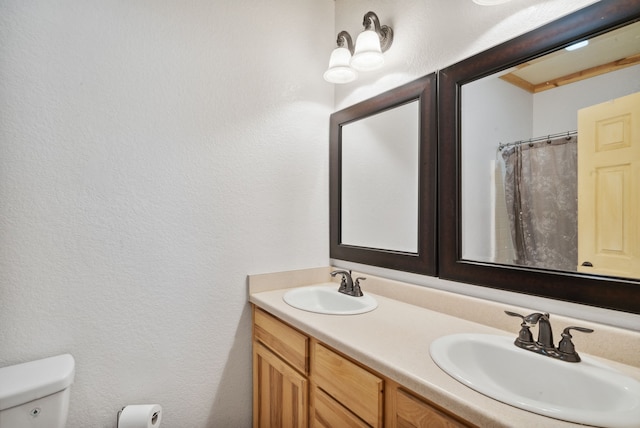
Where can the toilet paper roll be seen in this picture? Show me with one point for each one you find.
(140, 416)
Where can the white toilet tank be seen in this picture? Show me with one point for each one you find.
(36, 394)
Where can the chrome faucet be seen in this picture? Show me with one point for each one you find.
(544, 345)
(346, 284)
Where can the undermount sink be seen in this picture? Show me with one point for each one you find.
(325, 299)
(587, 392)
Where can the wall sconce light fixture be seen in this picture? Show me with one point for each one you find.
(367, 54)
(340, 70)
(370, 44)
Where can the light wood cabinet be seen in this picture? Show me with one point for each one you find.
(406, 410)
(354, 387)
(285, 341)
(280, 369)
(328, 413)
(301, 382)
(280, 393)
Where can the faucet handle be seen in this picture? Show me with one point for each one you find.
(342, 272)
(566, 346)
(582, 329)
(524, 336)
(357, 292)
(514, 314)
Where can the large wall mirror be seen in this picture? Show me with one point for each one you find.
(540, 161)
(383, 179)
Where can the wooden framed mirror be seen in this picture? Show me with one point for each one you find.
(459, 126)
(383, 179)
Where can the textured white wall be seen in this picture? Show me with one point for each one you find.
(152, 154)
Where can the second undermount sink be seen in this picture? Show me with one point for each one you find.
(587, 392)
(325, 299)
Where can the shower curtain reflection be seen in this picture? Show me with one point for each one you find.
(540, 192)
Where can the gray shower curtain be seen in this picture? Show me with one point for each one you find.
(542, 203)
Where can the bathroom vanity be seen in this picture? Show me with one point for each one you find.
(374, 369)
(299, 378)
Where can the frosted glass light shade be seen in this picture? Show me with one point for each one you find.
(339, 70)
(368, 55)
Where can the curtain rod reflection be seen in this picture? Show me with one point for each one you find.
(549, 137)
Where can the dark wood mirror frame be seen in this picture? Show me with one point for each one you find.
(606, 292)
(424, 261)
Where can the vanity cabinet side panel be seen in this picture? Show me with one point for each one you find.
(282, 339)
(349, 384)
(280, 393)
(406, 410)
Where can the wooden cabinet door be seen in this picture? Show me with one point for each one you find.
(405, 410)
(280, 393)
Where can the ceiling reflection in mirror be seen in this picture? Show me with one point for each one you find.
(535, 190)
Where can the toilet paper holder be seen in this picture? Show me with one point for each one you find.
(118, 418)
(155, 416)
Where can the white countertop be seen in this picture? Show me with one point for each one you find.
(394, 340)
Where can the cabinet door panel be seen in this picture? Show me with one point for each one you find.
(280, 393)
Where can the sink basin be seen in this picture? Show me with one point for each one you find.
(325, 299)
(587, 392)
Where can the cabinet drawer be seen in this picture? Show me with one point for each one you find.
(354, 387)
(413, 412)
(328, 413)
(285, 341)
